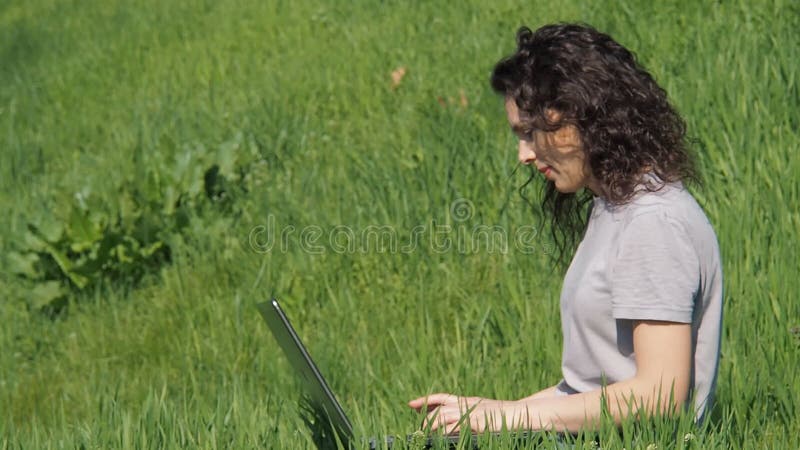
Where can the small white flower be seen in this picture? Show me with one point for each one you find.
(652, 447)
(688, 437)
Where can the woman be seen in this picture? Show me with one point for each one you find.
(641, 303)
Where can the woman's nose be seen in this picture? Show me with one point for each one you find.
(526, 153)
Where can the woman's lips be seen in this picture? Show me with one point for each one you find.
(544, 169)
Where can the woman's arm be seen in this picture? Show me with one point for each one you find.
(661, 383)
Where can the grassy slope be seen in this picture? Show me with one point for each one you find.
(184, 359)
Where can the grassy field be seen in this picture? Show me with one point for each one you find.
(92, 93)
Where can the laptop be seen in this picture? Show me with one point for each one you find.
(324, 415)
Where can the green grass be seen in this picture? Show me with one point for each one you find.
(183, 360)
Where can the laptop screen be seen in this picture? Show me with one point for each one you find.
(314, 384)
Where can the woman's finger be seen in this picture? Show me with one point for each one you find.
(431, 401)
(443, 417)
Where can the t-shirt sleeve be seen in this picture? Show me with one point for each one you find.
(656, 274)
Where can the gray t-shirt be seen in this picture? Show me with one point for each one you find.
(655, 258)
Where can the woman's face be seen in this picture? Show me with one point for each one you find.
(556, 154)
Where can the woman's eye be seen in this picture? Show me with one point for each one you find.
(524, 134)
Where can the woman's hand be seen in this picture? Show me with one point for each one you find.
(452, 413)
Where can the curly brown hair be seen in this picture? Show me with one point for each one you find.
(626, 124)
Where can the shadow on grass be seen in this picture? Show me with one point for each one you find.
(323, 433)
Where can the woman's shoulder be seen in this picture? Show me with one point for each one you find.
(658, 204)
(667, 197)
(671, 208)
